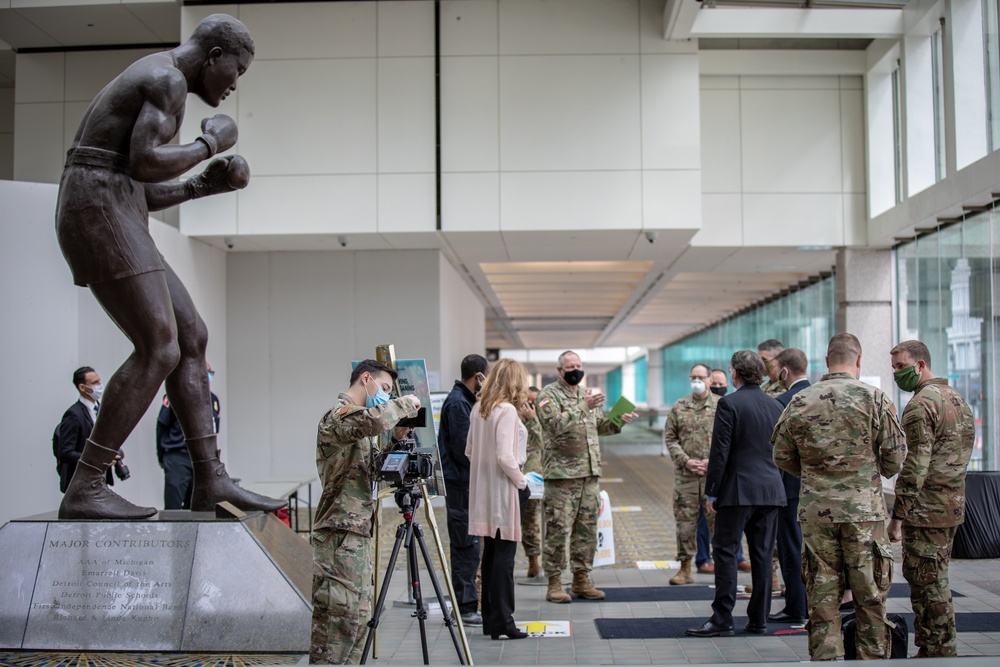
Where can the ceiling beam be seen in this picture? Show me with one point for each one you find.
(678, 18)
(737, 22)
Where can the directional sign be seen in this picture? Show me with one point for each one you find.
(546, 628)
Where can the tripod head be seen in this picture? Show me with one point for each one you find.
(407, 497)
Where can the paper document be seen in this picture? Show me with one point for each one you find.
(622, 407)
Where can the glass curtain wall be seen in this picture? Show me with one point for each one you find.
(804, 319)
(948, 296)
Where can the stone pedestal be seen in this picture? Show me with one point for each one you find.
(183, 581)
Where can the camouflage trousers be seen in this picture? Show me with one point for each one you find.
(836, 556)
(531, 528)
(341, 596)
(926, 556)
(689, 491)
(571, 510)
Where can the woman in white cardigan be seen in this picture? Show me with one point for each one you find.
(497, 448)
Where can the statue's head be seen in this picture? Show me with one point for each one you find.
(228, 49)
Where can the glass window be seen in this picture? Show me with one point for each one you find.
(937, 91)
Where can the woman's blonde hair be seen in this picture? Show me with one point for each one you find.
(506, 383)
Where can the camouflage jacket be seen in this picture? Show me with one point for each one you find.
(940, 432)
(534, 461)
(569, 430)
(838, 435)
(688, 431)
(773, 388)
(347, 453)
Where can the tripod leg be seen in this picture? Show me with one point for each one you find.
(418, 597)
(377, 612)
(463, 657)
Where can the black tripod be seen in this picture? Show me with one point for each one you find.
(408, 499)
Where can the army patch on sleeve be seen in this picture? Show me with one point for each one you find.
(343, 410)
(545, 401)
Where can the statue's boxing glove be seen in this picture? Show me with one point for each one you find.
(223, 174)
(219, 133)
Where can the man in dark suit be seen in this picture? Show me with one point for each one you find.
(76, 424)
(743, 488)
(792, 365)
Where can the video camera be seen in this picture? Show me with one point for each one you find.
(405, 468)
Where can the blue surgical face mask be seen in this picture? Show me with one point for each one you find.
(380, 397)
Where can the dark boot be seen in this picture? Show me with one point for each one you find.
(212, 484)
(88, 495)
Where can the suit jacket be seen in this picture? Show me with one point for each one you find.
(741, 469)
(69, 440)
(792, 483)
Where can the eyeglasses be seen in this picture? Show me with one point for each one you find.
(698, 377)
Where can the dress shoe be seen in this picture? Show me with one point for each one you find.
(472, 618)
(710, 629)
(755, 629)
(512, 632)
(743, 566)
(707, 568)
(784, 617)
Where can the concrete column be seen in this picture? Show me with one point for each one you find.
(654, 379)
(864, 307)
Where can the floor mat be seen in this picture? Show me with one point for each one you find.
(695, 592)
(98, 659)
(673, 628)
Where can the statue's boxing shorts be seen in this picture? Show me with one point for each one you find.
(102, 221)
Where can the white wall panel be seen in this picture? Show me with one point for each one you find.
(716, 82)
(568, 26)
(570, 200)
(968, 71)
(308, 205)
(880, 143)
(470, 114)
(569, 112)
(311, 29)
(470, 202)
(852, 83)
(40, 77)
(790, 82)
(405, 29)
(791, 141)
(327, 128)
(852, 118)
(671, 199)
(469, 27)
(721, 221)
(721, 143)
(793, 219)
(406, 203)
(214, 216)
(670, 114)
(405, 115)
(855, 219)
(919, 114)
(87, 72)
(38, 142)
(463, 324)
(73, 113)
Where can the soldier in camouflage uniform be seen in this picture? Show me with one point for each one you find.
(531, 516)
(688, 437)
(347, 456)
(838, 436)
(571, 465)
(767, 351)
(930, 493)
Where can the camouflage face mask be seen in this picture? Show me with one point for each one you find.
(907, 379)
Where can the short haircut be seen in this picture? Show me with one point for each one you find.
(472, 364)
(844, 348)
(719, 370)
(794, 360)
(564, 355)
(80, 375)
(374, 367)
(748, 366)
(771, 345)
(533, 389)
(708, 370)
(224, 31)
(917, 351)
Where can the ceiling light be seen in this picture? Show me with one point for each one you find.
(814, 247)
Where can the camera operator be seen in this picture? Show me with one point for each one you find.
(348, 458)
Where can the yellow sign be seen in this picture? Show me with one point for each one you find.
(546, 628)
(657, 564)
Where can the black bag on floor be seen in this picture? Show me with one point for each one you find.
(899, 635)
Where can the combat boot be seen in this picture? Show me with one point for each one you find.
(88, 495)
(212, 483)
(534, 567)
(583, 588)
(684, 575)
(556, 592)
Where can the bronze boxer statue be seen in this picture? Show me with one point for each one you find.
(120, 167)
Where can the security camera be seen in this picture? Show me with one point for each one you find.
(230, 242)
(652, 236)
(343, 240)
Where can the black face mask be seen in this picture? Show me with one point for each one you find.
(573, 378)
(719, 391)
